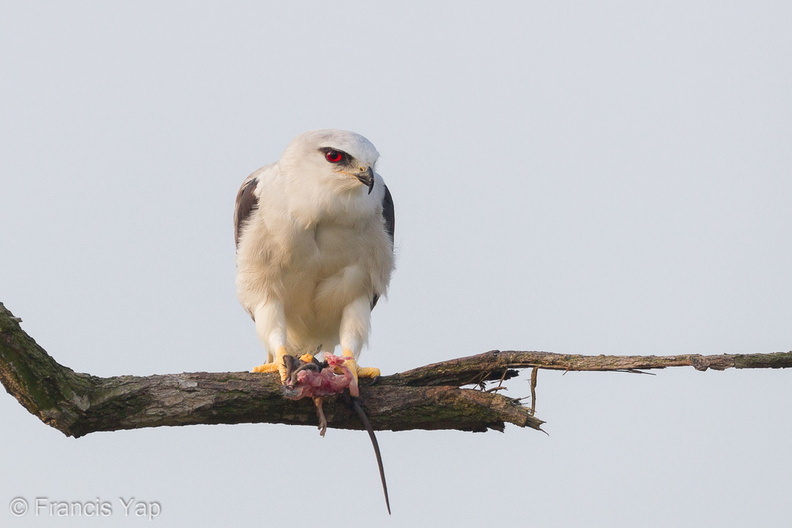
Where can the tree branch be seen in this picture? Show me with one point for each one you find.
(77, 404)
(491, 365)
(430, 397)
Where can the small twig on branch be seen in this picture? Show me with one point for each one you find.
(430, 397)
(534, 379)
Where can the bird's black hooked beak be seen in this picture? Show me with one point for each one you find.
(367, 179)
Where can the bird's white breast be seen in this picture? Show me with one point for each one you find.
(315, 253)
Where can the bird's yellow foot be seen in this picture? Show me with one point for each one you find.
(266, 367)
(357, 371)
(368, 372)
(277, 365)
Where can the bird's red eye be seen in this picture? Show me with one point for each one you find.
(333, 156)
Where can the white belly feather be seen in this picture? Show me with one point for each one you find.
(314, 272)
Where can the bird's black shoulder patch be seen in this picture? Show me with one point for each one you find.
(246, 203)
(388, 213)
(389, 217)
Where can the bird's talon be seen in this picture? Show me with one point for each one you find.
(358, 371)
(368, 372)
(266, 367)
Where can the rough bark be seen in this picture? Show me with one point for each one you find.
(429, 397)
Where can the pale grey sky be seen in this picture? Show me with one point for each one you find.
(598, 178)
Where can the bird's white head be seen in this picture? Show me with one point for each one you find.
(338, 157)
